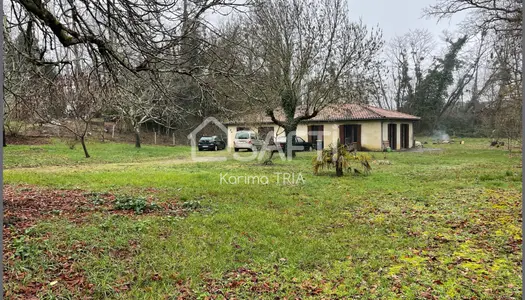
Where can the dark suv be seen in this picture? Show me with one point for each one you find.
(280, 142)
(211, 143)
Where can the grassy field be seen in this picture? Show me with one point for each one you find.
(58, 153)
(152, 224)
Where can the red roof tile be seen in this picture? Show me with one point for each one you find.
(334, 112)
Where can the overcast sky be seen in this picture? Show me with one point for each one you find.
(396, 17)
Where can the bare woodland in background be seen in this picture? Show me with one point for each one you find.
(165, 66)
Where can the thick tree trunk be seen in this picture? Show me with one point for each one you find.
(287, 131)
(289, 144)
(137, 136)
(83, 142)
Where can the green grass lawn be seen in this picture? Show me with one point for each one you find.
(435, 224)
(58, 153)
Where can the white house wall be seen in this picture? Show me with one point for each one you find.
(398, 132)
(371, 135)
(370, 132)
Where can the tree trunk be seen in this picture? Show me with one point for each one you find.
(338, 162)
(83, 142)
(287, 130)
(269, 161)
(137, 137)
(338, 170)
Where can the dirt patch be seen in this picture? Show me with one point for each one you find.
(26, 205)
(27, 140)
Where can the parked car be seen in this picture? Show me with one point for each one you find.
(247, 140)
(280, 142)
(211, 143)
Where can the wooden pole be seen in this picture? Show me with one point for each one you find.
(113, 132)
(173, 138)
(155, 137)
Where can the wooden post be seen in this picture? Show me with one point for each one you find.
(173, 139)
(155, 137)
(113, 132)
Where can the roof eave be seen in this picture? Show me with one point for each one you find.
(327, 121)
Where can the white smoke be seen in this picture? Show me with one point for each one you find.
(440, 135)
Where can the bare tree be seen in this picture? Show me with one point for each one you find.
(300, 56)
(468, 74)
(140, 100)
(498, 94)
(159, 56)
(20, 75)
(500, 16)
(15, 81)
(378, 88)
(70, 101)
(504, 106)
(119, 35)
(408, 57)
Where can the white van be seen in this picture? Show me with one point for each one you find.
(247, 140)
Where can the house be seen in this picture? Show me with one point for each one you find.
(367, 127)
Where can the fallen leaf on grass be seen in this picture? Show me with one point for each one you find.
(156, 277)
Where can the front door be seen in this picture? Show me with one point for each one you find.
(405, 141)
(392, 136)
(349, 134)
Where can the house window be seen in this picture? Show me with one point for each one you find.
(350, 135)
(315, 134)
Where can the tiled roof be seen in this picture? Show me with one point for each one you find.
(333, 112)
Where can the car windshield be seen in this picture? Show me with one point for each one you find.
(242, 135)
(205, 139)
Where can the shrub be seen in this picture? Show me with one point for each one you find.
(341, 159)
(191, 205)
(96, 198)
(139, 204)
(24, 249)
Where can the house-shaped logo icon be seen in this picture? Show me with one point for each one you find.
(193, 139)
